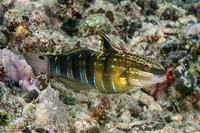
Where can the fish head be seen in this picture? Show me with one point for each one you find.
(145, 73)
(38, 62)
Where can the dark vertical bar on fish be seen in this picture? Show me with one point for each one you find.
(63, 65)
(90, 69)
(75, 67)
(53, 65)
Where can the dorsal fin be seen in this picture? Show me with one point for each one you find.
(78, 50)
(107, 45)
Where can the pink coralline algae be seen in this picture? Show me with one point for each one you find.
(18, 70)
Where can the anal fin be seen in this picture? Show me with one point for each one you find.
(73, 84)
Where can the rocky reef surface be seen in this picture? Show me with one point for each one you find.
(168, 31)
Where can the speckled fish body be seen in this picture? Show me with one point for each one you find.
(108, 72)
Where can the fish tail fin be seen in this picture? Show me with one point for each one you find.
(39, 62)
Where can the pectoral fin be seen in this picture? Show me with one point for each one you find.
(123, 78)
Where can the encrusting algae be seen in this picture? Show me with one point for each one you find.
(109, 71)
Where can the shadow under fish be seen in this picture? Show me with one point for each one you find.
(110, 71)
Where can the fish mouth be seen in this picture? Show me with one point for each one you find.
(160, 79)
(148, 82)
(155, 80)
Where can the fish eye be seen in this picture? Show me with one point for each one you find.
(147, 66)
(41, 57)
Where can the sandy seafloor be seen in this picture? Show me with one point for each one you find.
(166, 30)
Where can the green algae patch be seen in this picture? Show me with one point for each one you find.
(95, 20)
(27, 111)
(4, 118)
